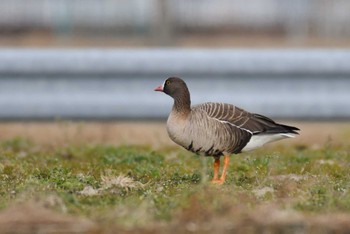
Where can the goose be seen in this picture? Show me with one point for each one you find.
(217, 129)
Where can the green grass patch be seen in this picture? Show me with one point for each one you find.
(138, 186)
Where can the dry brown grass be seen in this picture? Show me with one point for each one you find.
(33, 217)
(66, 132)
(313, 134)
(234, 218)
(241, 218)
(267, 218)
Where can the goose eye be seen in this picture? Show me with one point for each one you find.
(167, 82)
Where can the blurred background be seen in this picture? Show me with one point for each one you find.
(190, 23)
(101, 59)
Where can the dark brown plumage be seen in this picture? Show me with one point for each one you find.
(217, 129)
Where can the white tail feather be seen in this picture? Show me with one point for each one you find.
(259, 140)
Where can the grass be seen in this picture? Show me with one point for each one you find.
(138, 189)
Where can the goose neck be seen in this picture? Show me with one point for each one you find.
(182, 104)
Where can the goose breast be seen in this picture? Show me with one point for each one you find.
(177, 128)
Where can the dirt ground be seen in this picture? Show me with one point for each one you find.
(312, 134)
(44, 39)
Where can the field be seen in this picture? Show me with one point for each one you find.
(90, 177)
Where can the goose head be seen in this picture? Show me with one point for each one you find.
(177, 89)
(173, 86)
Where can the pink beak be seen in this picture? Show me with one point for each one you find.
(159, 88)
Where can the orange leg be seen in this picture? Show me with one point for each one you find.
(216, 169)
(224, 170)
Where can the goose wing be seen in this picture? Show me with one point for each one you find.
(252, 123)
(234, 136)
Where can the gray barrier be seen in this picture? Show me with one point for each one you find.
(118, 84)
